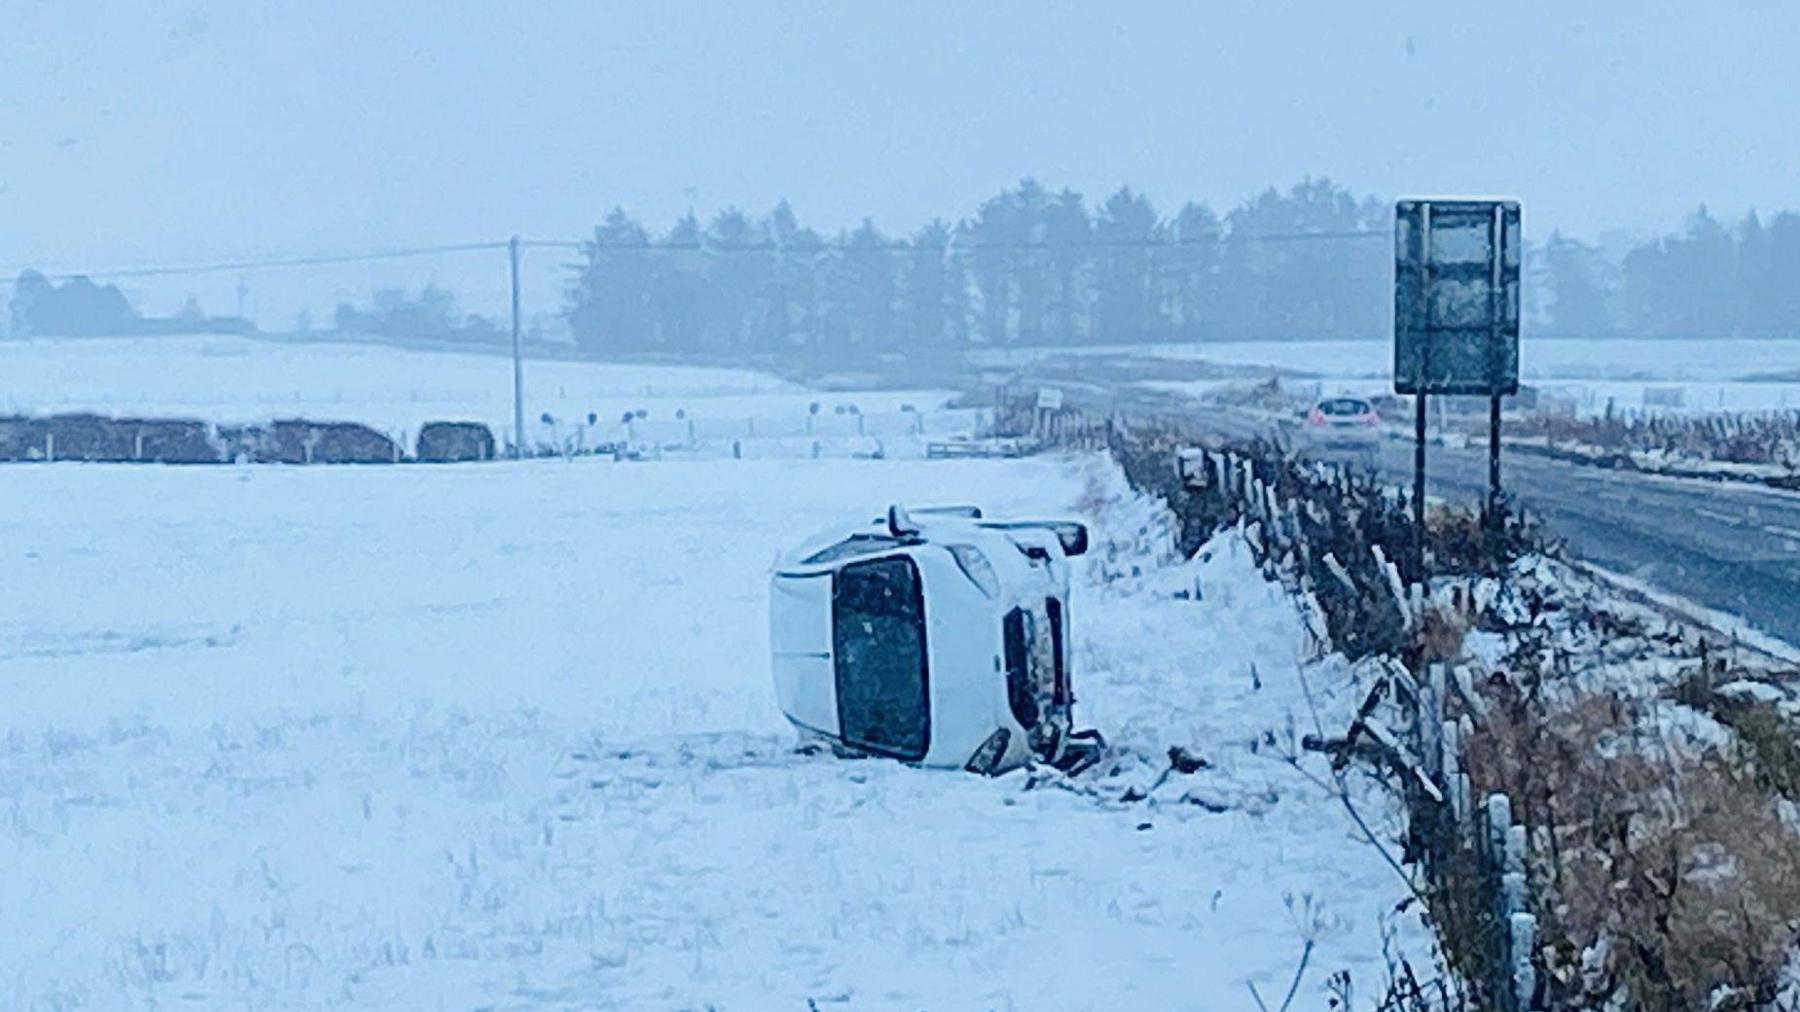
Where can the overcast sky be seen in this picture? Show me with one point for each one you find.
(145, 132)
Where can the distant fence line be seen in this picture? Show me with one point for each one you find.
(105, 439)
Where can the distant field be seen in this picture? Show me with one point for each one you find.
(1713, 374)
(233, 379)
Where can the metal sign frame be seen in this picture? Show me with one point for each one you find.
(1457, 278)
(1456, 296)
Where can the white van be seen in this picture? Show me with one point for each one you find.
(936, 637)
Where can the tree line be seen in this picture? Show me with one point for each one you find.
(1029, 267)
(1707, 280)
(78, 307)
(1035, 267)
(1042, 268)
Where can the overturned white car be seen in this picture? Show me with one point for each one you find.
(936, 637)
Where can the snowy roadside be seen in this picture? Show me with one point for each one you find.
(1609, 775)
(510, 742)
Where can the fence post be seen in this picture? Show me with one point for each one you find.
(1497, 811)
(1523, 939)
(1431, 722)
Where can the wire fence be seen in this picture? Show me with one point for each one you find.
(1336, 538)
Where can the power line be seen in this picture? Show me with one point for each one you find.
(326, 259)
(263, 263)
(650, 246)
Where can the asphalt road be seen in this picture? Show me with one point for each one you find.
(1725, 546)
(1730, 547)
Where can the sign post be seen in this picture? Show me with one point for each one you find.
(1049, 402)
(1456, 318)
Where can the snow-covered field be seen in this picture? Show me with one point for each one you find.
(1710, 374)
(503, 736)
(236, 379)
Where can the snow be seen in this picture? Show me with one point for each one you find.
(239, 379)
(1725, 624)
(503, 735)
(1724, 374)
(1748, 691)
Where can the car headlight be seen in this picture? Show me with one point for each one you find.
(977, 568)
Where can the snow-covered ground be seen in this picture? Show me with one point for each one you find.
(1710, 375)
(504, 736)
(237, 379)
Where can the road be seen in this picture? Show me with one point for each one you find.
(1729, 547)
(1726, 546)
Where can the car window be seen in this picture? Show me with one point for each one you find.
(878, 651)
(1344, 406)
(1016, 639)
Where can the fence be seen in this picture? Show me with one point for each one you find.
(901, 433)
(1473, 854)
(693, 429)
(1765, 437)
(1337, 538)
(99, 438)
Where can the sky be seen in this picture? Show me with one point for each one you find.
(156, 133)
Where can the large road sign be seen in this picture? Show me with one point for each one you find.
(1456, 297)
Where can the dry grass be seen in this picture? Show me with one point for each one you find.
(1663, 874)
(1437, 637)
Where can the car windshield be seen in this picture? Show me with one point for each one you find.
(878, 651)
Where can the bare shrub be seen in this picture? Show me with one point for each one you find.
(1665, 873)
(1751, 437)
(1768, 741)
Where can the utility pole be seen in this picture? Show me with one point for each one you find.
(512, 249)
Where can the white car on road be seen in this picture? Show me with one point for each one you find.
(936, 637)
(1342, 423)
